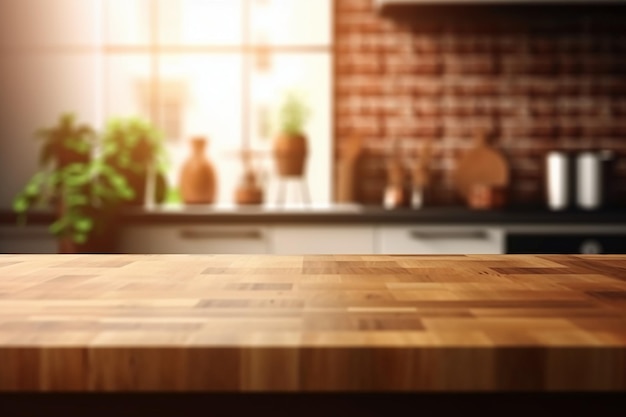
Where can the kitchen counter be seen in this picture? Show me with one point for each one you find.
(259, 323)
(357, 214)
(349, 214)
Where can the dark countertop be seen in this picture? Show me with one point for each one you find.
(348, 214)
(355, 214)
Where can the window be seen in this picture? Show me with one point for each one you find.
(215, 68)
(219, 68)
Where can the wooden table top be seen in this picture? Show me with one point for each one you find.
(309, 323)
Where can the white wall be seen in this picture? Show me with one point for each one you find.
(46, 68)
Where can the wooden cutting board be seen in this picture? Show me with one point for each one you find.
(348, 157)
(481, 165)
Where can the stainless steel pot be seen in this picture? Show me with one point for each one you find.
(559, 180)
(592, 179)
(578, 179)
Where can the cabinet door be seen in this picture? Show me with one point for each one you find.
(194, 239)
(439, 240)
(322, 240)
(28, 239)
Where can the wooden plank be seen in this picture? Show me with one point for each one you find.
(301, 323)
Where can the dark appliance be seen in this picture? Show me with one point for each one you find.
(566, 244)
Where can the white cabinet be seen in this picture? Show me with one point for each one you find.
(323, 239)
(406, 239)
(310, 239)
(248, 239)
(27, 239)
(195, 239)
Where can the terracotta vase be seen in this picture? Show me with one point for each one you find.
(198, 179)
(290, 153)
(249, 192)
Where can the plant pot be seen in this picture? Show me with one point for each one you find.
(290, 152)
(95, 245)
(103, 239)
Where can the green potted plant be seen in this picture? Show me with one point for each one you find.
(290, 145)
(84, 191)
(133, 146)
(66, 143)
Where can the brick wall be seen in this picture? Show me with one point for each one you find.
(537, 83)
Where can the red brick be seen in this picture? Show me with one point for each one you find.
(509, 44)
(543, 45)
(428, 109)
(542, 65)
(599, 65)
(597, 131)
(347, 6)
(545, 108)
(481, 88)
(570, 129)
(427, 45)
(471, 45)
(428, 89)
(545, 84)
(361, 23)
(458, 130)
(516, 131)
(513, 65)
(569, 65)
(456, 109)
(477, 64)
(544, 88)
(618, 108)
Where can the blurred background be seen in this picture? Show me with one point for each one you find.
(508, 115)
(192, 67)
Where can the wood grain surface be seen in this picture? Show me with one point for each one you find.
(312, 323)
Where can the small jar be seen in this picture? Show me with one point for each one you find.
(486, 197)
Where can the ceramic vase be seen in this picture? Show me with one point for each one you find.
(198, 178)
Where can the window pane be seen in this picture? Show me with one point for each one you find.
(291, 22)
(127, 86)
(48, 23)
(206, 92)
(309, 75)
(200, 22)
(128, 22)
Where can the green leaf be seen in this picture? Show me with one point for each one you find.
(80, 238)
(77, 200)
(173, 195)
(84, 224)
(57, 227)
(32, 188)
(293, 114)
(20, 205)
(127, 193)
